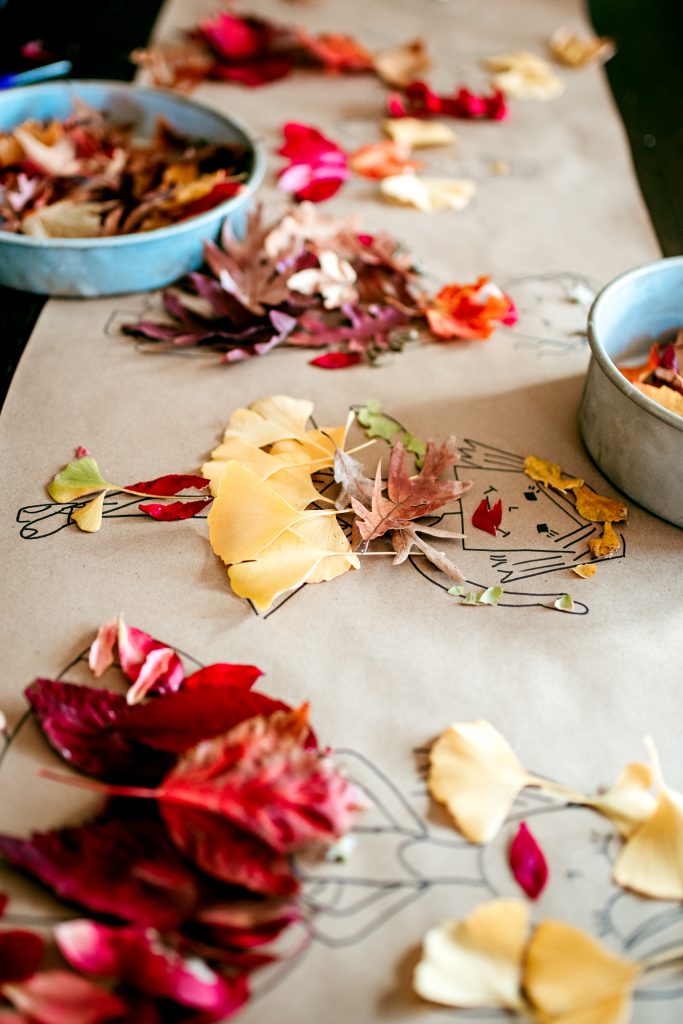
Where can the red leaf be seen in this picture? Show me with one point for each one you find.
(122, 867)
(527, 863)
(20, 954)
(168, 485)
(488, 518)
(227, 852)
(140, 958)
(175, 510)
(61, 997)
(336, 360)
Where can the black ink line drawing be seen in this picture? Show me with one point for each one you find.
(552, 308)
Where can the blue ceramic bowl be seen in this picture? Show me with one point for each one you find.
(123, 263)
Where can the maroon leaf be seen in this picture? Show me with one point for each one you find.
(527, 863)
(488, 518)
(171, 484)
(227, 852)
(175, 510)
(20, 955)
(123, 867)
(336, 360)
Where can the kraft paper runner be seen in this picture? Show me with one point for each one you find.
(385, 656)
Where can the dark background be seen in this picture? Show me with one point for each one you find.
(646, 77)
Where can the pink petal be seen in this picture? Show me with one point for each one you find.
(89, 947)
(305, 144)
(60, 997)
(101, 654)
(156, 667)
(168, 485)
(336, 360)
(175, 510)
(527, 863)
(135, 646)
(81, 452)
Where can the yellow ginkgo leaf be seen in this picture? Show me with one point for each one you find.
(569, 49)
(315, 551)
(476, 774)
(428, 194)
(415, 133)
(315, 448)
(247, 515)
(651, 861)
(571, 979)
(665, 396)
(549, 474)
(525, 76)
(585, 570)
(270, 419)
(293, 483)
(476, 962)
(606, 544)
(629, 802)
(598, 509)
(89, 517)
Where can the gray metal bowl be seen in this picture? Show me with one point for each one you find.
(636, 442)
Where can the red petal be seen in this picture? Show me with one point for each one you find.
(336, 360)
(250, 923)
(527, 863)
(81, 452)
(488, 518)
(135, 646)
(235, 38)
(256, 72)
(60, 997)
(176, 510)
(20, 955)
(223, 674)
(306, 145)
(168, 485)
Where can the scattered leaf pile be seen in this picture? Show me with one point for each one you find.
(189, 867)
(552, 973)
(590, 505)
(311, 281)
(86, 177)
(477, 775)
(660, 377)
(81, 478)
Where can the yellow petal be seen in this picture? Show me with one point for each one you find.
(401, 65)
(477, 775)
(317, 550)
(568, 49)
(606, 544)
(549, 474)
(247, 515)
(428, 194)
(664, 396)
(270, 419)
(651, 861)
(585, 571)
(629, 802)
(476, 962)
(597, 508)
(416, 134)
(292, 484)
(89, 517)
(571, 979)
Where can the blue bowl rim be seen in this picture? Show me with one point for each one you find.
(171, 230)
(606, 362)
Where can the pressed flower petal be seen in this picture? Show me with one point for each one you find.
(101, 653)
(571, 979)
(525, 76)
(428, 194)
(175, 511)
(476, 962)
(20, 955)
(528, 863)
(488, 517)
(165, 486)
(336, 360)
(469, 310)
(382, 159)
(416, 134)
(61, 997)
(651, 861)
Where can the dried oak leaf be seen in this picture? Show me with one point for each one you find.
(350, 473)
(408, 499)
(478, 961)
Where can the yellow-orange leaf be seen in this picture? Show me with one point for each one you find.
(606, 544)
(549, 474)
(597, 508)
(585, 571)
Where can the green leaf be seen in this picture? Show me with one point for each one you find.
(376, 424)
(80, 477)
(564, 603)
(457, 591)
(414, 444)
(472, 597)
(491, 596)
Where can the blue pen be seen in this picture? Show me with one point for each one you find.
(55, 70)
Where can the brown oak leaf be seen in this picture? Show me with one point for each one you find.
(245, 270)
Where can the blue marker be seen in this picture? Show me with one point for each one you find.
(55, 70)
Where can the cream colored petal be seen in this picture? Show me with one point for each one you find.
(417, 134)
(477, 961)
(651, 861)
(270, 419)
(477, 775)
(525, 76)
(428, 194)
(629, 802)
(247, 515)
(571, 979)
